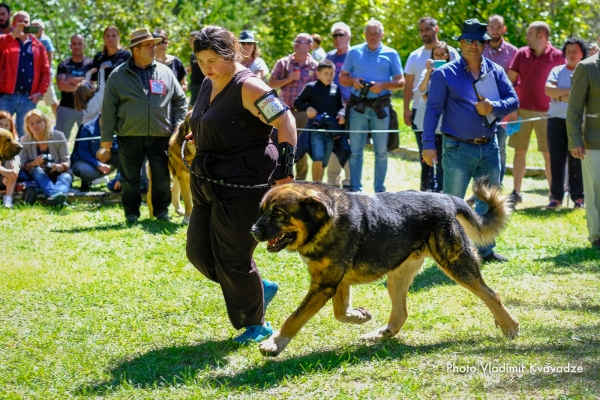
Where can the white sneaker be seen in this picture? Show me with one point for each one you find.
(8, 201)
(99, 181)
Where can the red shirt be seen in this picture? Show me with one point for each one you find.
(9, 65)
(533, 73)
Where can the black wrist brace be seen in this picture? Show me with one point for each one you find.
(285, 163)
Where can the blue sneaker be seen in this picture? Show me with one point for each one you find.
(270, 290)
(254, 334)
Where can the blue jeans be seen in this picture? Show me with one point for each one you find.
(321, 145)
(501, 134)
(463, 161)
(19, 104)
(85, 171)
(63, 182)
(365, 122)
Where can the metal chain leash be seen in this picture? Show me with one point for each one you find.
(221, 182)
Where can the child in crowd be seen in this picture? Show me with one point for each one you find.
(88, 98)
(322, 101)
(9, 170)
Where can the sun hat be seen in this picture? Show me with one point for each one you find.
(247, 37)
(474, 30)
(140, 36)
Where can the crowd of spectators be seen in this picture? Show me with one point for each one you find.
(137, 94)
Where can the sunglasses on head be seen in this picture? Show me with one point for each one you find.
(479, 42)
(337, 35)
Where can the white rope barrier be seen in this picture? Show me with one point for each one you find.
(324, 130)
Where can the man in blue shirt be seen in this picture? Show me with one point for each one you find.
(469, 141)
(379, 67)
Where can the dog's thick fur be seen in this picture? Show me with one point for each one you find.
(9, 147)
(179, 172)
(351, 238)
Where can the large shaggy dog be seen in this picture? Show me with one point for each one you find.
(351, 238)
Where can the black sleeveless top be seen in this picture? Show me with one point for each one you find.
(232, 144)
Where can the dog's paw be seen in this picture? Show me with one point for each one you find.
(378, 334)
(360, 315)
(511, 330)
(273, 346)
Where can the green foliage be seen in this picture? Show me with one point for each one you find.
(276, 22)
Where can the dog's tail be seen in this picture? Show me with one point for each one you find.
(482, 229)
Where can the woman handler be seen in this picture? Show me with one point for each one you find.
(231, 125)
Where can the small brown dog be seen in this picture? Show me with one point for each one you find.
(9, 147)
(179, 172)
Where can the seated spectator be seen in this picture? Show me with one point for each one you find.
(558, 88)
(88, 97)
(46, 163)
(322, 100)
(169, 60)
(440, 52)
(9, 170)
(251, 54)
(89, 163)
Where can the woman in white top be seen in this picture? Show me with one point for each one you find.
(251, 54)
(439, 53)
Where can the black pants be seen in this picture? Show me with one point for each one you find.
(220, 246)
(428, 180)
(132, 150)
(558, 145)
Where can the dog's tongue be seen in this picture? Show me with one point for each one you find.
(272, 242)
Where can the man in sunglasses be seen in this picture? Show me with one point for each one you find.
(341, 34)
(291, 74)
(469, 145)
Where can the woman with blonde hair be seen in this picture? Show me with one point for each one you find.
(9, 169)
(46, 163)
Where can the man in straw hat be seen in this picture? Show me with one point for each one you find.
(143, 105)
(469, 136)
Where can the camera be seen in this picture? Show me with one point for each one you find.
(321, 120)
(31, 29)
(365, 89)
(48, 161)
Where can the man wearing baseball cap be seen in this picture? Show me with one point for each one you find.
(469, 144)
(143, 105)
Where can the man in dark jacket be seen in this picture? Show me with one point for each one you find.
(143, 105)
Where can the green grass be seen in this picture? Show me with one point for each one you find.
(91, 308)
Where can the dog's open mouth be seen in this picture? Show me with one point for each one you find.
(278, 243)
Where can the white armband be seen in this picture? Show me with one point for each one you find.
(270, 106)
